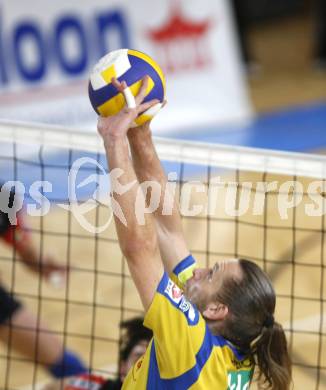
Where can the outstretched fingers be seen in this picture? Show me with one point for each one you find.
(142, 91)
(135, 102)
(119, 86)
(145, 106)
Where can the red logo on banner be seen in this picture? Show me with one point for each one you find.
(181, 43)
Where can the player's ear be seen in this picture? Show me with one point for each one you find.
(215, 311)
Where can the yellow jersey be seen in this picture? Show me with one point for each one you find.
(183, 353)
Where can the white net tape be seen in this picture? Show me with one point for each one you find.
(215, 155)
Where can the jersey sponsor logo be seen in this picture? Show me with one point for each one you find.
(176, 296)
(246, 363)
(174, 292)
(239, 380)
(184, 305)
(188, 309)
(139, 363)
(191, 313)
(136, 369)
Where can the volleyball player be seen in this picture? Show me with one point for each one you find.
(19, 327)
(133, 344)
(211, 326)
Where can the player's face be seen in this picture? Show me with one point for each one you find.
(136, 353)
(206, 282)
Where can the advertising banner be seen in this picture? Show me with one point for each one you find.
(48, 48)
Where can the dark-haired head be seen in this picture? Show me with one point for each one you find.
(134, 341)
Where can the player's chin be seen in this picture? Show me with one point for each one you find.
(191, 290)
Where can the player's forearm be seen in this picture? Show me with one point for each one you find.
(144, 155)
(137, 241)
(125, 197)
(29, 255)
(148, 167)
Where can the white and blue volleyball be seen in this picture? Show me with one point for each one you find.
(129, 66)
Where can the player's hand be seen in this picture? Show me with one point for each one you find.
(145, 128)
(50, 269)
(117, 126)
(50, 266)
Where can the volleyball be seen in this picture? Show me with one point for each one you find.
(129, 66)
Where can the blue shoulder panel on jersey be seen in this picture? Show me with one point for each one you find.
(185, 263)
(184, 381)
(163, 283)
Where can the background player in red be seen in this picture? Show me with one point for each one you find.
(18, 325)
(133, 344)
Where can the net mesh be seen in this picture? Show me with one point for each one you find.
(232, 202)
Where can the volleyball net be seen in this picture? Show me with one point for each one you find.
(235, 202)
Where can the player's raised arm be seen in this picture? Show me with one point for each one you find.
(137, 240)
(148, 167)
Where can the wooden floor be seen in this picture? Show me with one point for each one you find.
(88, 310)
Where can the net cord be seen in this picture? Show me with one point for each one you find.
(199, 153)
